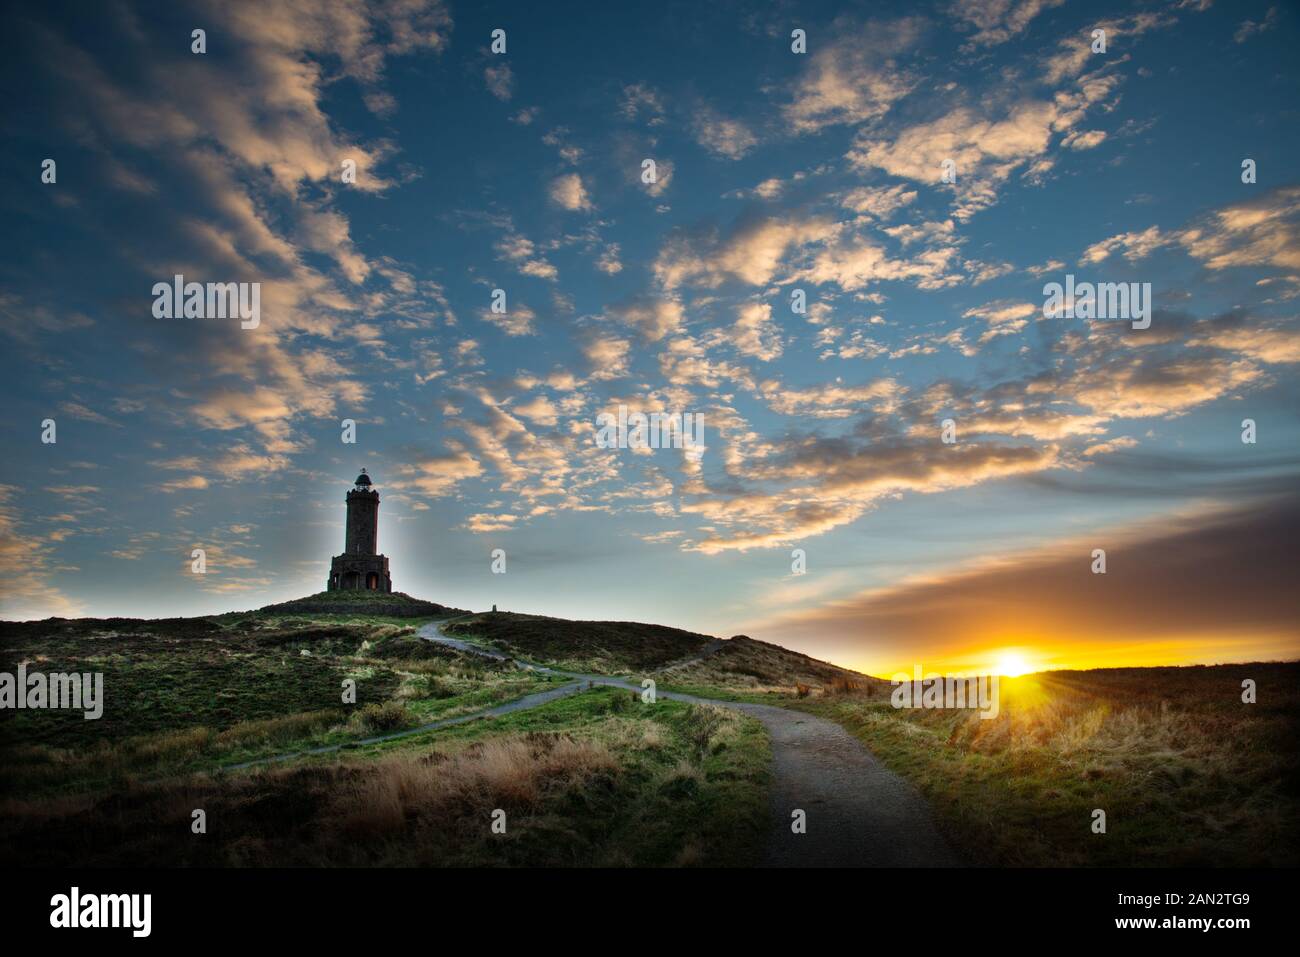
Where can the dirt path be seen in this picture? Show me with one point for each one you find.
(858, 812)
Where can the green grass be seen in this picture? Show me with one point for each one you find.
(594, 778)
(597, 778)
(184, 695)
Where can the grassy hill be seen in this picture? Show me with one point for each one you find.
(593, 778)
(1187, 773)
(684, 660)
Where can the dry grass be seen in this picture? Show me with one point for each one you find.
(410, 807)
(1187, 773)
(382, 718)
(515, 772)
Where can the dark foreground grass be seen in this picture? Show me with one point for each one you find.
(595, 779)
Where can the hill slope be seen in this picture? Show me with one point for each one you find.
(746, 665)
(680, 658)
(604, 646)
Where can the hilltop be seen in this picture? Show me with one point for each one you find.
(380, 604)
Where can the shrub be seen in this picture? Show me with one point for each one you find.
(843, 684)
(382, 718)
(702, 723)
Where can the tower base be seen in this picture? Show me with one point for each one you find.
(359, 573)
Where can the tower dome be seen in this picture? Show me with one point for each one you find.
(363, 480)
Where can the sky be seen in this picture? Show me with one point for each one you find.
(916, 175)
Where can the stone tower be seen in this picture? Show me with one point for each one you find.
(361, 567)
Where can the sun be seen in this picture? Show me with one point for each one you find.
(1011, 665)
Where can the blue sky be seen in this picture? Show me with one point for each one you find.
(776, 171)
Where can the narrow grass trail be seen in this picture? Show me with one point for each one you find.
(858, 813)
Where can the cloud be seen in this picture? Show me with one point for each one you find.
(854, 75)
(1250, 28)
(831, 400)
(1209, 587)
(230, 409)
(653, 317)
(1148, 385)
(1111, 445)
(1264, 231)
(997, 21)
(439, 475)
(721, 136)
(642, 101)
(540, 409)
(986, 150)
(755, 334)
(750, 254)
(484, 522)
(1258, 232)
(607, 355)
(27, 567)
(856, 262)
(880, 201)
(516, 321)
(608, 261)
(1269, 344)
(1005, 316)
(832, 482)
(516, 248)
(1084, 140)
(500, 81)
(664, 169)
(189, 483)
(261, 162)
(568, 191)
(25, 321)
(1133, 246)
(685, 361)
(76, 410)
(1073, 53)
